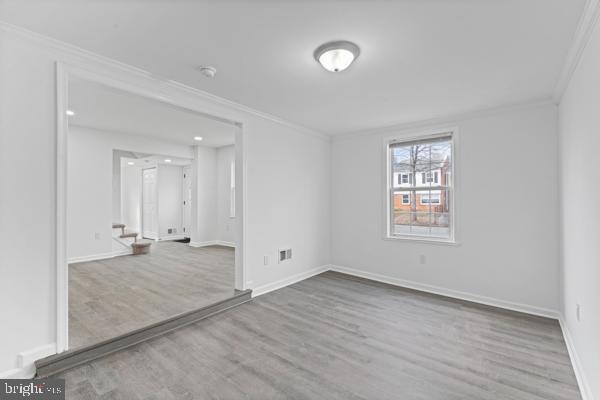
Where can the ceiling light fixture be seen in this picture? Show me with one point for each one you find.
(130, 163)
(336, 56)
(198, 138)
(70, 113)
(207, 71)
(167, 160)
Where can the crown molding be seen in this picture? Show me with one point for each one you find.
(94, 58)
(445, 119)
(584, 31)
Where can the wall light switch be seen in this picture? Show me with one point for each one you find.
(266, 260)
(578, 312)
(97, 236)
(422, 259)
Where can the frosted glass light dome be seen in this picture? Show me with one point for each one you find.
(336, 56)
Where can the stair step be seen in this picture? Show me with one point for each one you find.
(118, 226)
(52, 365)
(129, 235)
(141, 247)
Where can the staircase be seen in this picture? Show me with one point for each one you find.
(130, 239)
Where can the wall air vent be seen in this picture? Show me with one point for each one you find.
(285, 254)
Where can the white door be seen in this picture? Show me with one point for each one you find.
(149, 204)
(187, 201)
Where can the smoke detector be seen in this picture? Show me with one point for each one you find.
(207, 71)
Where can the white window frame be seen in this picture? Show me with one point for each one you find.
(388, 185)
(439, 198)
(403, 203)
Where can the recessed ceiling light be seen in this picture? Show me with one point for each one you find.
(207, 71)
(167, 160)
(70, 113)
(198, 138)
(336, 56)
(130, 163)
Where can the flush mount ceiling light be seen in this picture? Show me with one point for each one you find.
(198, 138)
(207, 71)
(167, 160)
(336, 56)
(130, 163)
(70, 113)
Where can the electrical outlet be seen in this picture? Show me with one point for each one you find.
(422, 259)
(578, 311)
(97, 236)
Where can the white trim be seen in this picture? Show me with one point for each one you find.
(171, 237)
(101, 256)
(444, 120)
(203, 244)
(587, 22)
(26, 360)
(475, 298)
(290, 280)
(78, 52)
(212, 243)
(582, 381)
(388, 181)
(149, 87)
(62, 271)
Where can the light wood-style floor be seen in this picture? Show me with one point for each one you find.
(337, 337)
(115, 296)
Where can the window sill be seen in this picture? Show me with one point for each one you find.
(422, 240)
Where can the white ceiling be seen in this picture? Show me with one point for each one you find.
(419, 58)
(101, 107)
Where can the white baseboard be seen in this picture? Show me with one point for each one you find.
(212, 243)
(26, 360)
(582, 381)
(203, 244)
(269, 287)
(171, 237)
(103, 256)
(524, 308)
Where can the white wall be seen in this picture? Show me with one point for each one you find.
(170, 200)
(579, 139)
(90, 159)
(225, 224)
(507, 204)
(286, 171)
(204, 212)
(131, 201)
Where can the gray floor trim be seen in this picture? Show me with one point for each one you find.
(61, 362)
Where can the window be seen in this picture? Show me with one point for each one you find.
(430, 198)
(423, 207)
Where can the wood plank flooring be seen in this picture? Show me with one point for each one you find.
(337, 337)
(117, 295)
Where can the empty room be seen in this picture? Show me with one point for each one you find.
(299, 199)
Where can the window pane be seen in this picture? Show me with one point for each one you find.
(422, 206)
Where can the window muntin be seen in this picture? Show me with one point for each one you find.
(421, 207)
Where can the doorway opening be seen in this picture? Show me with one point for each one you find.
(153, 228)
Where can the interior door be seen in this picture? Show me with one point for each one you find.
(187, 201)
(149, 203)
